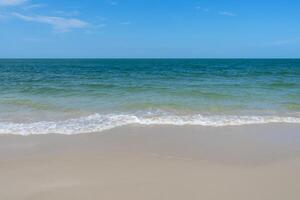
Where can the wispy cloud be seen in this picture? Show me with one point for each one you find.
(281, 42)
(125, 23)
(31, 39)
(112, 3)
(12, 2)
(34, 6)
(293, 41)
(100, 26)
(59, 24)
(67, 13)
(202, 9)
(2, 16)
(226, 13)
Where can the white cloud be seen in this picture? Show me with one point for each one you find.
(59, 24)
(202, 9)
(100, 25)
(12, 2)
(125, 23)
(31, 39)
(293, 41)
(2, 16)
(67, 13)
(226, 13)
(34, 6)
(113, 3)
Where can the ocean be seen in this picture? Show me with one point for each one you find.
(73, 96)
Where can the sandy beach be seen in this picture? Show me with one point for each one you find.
(156, 162)
(149, 100)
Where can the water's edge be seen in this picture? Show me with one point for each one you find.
(97, 123)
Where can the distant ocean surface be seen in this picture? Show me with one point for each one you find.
(72, 96)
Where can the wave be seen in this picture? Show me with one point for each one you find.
(98, 123)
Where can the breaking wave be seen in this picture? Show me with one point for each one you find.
(98, 123)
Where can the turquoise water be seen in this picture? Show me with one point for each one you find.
(90, 95)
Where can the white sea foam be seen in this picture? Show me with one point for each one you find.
(98, 123)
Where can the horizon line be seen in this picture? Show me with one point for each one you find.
(148, 58)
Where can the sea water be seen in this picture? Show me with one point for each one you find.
(72, 96)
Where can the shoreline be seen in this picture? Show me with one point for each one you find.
(154, 162)
(96, 123)
(188, 139)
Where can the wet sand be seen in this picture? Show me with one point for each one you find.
(160, 162)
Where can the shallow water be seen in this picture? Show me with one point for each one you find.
(88, 95)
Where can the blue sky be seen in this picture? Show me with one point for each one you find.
(149, 28)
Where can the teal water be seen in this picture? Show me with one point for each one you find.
(89, 95)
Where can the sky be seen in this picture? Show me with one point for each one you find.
(149, 29)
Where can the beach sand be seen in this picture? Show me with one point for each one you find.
(255, 162)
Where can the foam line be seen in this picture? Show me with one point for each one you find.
(98, 123)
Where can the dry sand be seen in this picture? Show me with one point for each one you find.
(256, 162)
